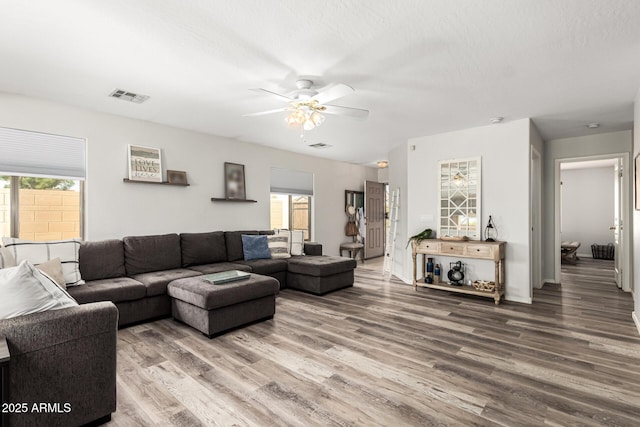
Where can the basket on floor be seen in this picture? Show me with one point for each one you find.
(602, 251)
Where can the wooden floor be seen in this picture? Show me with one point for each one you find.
(383, 354)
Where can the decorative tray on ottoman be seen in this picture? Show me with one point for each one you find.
(226, 277)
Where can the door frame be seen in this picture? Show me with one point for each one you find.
(535, 221)
(626, 202)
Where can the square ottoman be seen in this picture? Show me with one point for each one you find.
(213, 309)
(320, 274)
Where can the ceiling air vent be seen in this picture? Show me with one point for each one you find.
(320, 145)
(128, 96)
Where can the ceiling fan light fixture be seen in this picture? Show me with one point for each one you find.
(316, 118)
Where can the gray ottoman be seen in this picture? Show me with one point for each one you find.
(213, 309)
(320, 274)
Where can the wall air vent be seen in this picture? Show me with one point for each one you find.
(128, 96)
(320, 145)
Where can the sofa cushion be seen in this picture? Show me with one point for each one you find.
(102, 259)
(156, 281)
(151, 253)
(26, 290)
(255, 247)
(279, 246)
(202, 248)
(219, 267)
(320, 265)
(296, 240)
(39, 252)
(116, 289)
(233, 240)
(265, 266)
(6, 258)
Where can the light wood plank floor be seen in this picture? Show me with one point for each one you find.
(383, 354)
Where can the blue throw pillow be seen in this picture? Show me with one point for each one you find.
(255, 247)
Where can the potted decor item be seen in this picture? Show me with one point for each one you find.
(423, 235)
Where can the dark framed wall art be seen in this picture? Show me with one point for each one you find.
(234, 182)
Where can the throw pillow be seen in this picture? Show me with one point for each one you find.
(296, 240)
(25, 290)
(255, 247)
(39, 252)
(53, 269)
(279, 245)
(6, 259)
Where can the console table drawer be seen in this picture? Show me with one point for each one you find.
(479, 251)
(451, 249)
(428, 247)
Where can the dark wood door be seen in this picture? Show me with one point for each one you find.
(374, 219)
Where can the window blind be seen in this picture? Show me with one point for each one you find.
(27, 153)
(291, 182)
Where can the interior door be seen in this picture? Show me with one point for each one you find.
(374, 219)
(618, 256)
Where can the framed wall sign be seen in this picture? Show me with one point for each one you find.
(234, 181)
(145, 164)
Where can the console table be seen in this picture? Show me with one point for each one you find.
(474, 249)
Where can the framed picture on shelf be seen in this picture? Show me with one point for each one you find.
(177, 177)
(145, 164)
(234, 181)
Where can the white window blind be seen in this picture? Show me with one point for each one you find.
(291, 182)
(27, 153)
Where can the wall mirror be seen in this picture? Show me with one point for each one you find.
(459, 198)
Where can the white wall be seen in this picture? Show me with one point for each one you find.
(587, 207)
(115, 209)
(569, 148)
(504, 150)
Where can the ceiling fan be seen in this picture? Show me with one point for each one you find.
(307, 105)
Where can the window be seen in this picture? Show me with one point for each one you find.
(41, 185)
(291, 212)
(291, 194)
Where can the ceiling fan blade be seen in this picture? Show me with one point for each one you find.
(262, 113)
(357, 113)
(335, 91)
(283, 97)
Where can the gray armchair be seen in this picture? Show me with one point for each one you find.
(60, 369)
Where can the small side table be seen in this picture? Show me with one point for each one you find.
(354, 248)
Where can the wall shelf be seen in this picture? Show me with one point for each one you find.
(218, 199)
(126, 180)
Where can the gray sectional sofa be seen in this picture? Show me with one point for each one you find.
(69, 355)
(134, 272)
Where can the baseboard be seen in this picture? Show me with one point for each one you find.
(634, 316)
(523, 300)
(552, 281)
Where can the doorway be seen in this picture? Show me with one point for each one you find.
(374, 211)
(592, 205)
(535, 221)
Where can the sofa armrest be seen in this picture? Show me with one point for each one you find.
(63, 357)
(312, 248)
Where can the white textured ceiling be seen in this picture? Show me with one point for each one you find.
(420, 66)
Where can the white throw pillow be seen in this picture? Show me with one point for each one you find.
(6, 259)
(296, 240)
(25, 290)
(279, 245)
(39, 252)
